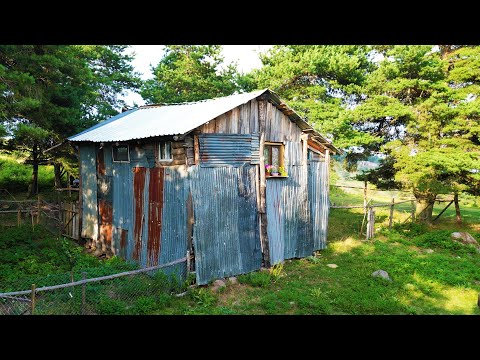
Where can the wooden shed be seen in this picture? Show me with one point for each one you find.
(239, 182)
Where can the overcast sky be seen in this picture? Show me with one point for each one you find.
(147, 55)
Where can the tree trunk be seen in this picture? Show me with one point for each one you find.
(424, 209)
(457, 209)
(34, 185)
(57, 167)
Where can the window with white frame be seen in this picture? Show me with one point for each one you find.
(165, 151)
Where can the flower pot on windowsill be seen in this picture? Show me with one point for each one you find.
(275, 174)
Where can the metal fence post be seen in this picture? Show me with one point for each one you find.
(84, 292)
(32, 300)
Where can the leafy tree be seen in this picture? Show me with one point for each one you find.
(421, 109)
(59, 90)
(190, 73)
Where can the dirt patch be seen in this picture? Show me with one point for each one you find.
(233, 294)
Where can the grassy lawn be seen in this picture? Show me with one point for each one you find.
(430, 273)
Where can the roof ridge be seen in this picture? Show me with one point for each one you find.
(199, 101)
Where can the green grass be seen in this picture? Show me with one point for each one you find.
(430, 273)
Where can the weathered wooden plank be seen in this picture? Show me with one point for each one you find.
(254, 116)
(177, 144)
(178, 151)
(234, 125)
(196, 154)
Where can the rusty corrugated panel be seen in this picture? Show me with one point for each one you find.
(123, 243)
(319, 208)
(288, 216)
(226, 234)
(89, 191)
(155, 210)
(105, 211)
(228, 149)
(139, 175)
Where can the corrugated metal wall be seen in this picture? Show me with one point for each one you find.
(122, 210)
(226, 234)
(228, 150)
(288, 216)
(318, 192)
(88, 173)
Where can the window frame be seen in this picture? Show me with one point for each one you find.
(159, 149)
(281, 156)
(128, 153)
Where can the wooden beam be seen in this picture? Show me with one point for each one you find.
(196, 149)
(441, 212)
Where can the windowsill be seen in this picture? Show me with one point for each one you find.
(276, 177)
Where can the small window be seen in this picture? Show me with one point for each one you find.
(273, 158)
(121, 153)
(165, 150)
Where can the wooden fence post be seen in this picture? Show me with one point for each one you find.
(390, 220)
(32, 300)
(188, 262)
(84, 292)
(38, 209)
(370, 223)
(413, 211)
(365, 197)
(19, 217)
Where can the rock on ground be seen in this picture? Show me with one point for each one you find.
(217, 284)
(464, 238)
(333, 266)
(382, 274)
(233, 280)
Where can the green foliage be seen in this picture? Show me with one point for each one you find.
(319, 82)
(190, 73)
(108, 306)
(15, 176)
(257, 279)
(203, 297)
(421, 104)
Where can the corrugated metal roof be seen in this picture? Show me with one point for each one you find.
(174, 119)
(149, 121)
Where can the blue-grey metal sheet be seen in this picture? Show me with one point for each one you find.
(151, 121)
(318, 192)
(288, 216)
(122, 209)
(228, 149)
(88, 172)
(174, 218)
(226, 231)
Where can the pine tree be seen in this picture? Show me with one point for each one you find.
(190, 73)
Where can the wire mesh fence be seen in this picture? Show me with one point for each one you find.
(92, 292)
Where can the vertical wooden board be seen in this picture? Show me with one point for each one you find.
(254, 116)
(244, 119)
(235, 121)
(268, 122)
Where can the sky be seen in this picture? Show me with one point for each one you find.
(147, 55)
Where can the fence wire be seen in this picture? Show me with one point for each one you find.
(141, 291)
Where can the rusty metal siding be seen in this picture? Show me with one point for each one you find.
(123, 209)
(255, 149)
(155, 211)
(139, 177)
(318, 193)
(228, 149)
(89, 191)
(226, 234)
(174, 220)
(288, 216)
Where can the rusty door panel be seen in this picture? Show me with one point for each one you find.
(155, 209)
(106, 217)
(139, 175)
